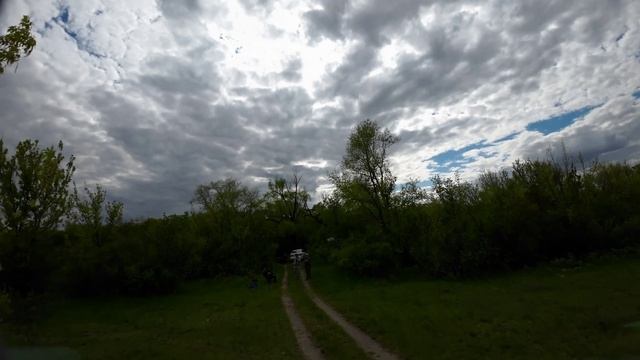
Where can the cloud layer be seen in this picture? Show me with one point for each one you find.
(156, 97)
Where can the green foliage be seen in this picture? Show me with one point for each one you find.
(139, 259)
(364, 176)
(90, 210)
(34, 184)
(292, 222)
(368, 258)
(286, 199)
(536, 211)
(16, 43)
(34, 197)
(233, 224)
(227, 196)
(541, 210)
(114, 210)
(90, 213)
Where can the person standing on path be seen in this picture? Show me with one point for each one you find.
(307, 266)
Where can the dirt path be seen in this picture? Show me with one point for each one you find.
(308, 348)
(364, 341)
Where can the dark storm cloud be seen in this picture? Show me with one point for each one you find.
(327, 21)
(179, 9)
(457, 57)
(377, 20)
(373, 22)
(190, 140)
(347, 79)
(292, 71)
(174, 155)
(444, 73)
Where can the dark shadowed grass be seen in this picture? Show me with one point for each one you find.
(327, 335)
(212, 319)
(549, 312)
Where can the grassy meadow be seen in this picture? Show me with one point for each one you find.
(551, 312)
(557, 311)
(208, 319)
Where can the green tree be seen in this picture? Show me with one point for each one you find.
(16, 43)
(34, 197)
(90, 212)
(287, 198)
(228, 196)
(115, 210)
(411, 195)
(232, 222)
(364, 176)
(34, 186)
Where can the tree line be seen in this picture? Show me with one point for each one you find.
(55, 238)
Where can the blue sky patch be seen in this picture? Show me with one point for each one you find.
(63, 16)
(507, 138)
(425, 184)
(63, 20)
(559, 122)
(450, 159)
(636, 94)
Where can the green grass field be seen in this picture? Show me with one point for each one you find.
(216, 319)
(588, 312)
(548, 312)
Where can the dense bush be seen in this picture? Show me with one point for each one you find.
(28, 262)
(536, 211)
(145, 258)
(365, 256)
(539, 210)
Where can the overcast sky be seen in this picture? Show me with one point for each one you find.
(156, 97)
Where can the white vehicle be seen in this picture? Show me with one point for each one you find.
(297, 256)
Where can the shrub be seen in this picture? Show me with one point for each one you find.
(368, 259)
(152, 257)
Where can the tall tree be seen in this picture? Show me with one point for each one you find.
(232, 223)
(228, 196)
(16, 43)
(364, 176)
(228, 202)
(34, 186)
(288, 199)
(34, 197)
(90, 212)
